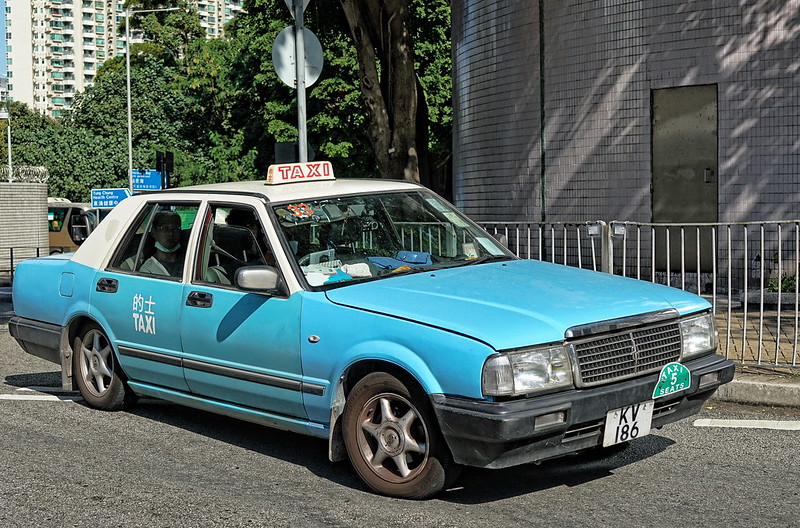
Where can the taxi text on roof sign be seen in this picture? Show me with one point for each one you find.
(298, 172)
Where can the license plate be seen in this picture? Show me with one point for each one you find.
(628, 423)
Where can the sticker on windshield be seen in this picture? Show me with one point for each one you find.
(455, 219)
(436, 204)
(490, 246)
(300, 210)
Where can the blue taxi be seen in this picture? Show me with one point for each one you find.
(370, 313)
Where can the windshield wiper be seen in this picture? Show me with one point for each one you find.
(403, 270)
(486, 258)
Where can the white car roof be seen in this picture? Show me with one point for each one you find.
(288, 192)
(96, 249)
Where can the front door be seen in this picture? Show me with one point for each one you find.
(240, 347)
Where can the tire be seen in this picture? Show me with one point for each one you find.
(393, 440)
(97, 374)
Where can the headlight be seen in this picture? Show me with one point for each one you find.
(698, 336)
(526, 371)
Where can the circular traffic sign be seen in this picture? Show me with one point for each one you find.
(283, 57)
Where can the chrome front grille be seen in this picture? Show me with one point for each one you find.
(626, 354)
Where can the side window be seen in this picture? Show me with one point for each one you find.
(55, 218)
(232, 238)
(79, 227)
(157, 243)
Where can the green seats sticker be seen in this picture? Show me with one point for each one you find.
(674, 378)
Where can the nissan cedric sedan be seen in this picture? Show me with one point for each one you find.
(370, 313)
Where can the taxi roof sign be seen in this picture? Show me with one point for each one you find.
(299, 172)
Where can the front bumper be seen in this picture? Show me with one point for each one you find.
(503, 434)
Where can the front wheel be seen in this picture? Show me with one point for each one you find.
(97, 373)
(393, 441)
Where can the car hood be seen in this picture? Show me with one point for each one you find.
(515, 303)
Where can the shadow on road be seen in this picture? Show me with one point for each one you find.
(475, 486)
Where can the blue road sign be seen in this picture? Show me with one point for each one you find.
(146, 180)
(108, 198)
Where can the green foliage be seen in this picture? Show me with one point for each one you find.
(218, 103)
(788, 284)
(33, 137)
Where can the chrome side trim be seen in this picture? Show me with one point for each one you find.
(166, 359)
(228, 372)
(613, 325)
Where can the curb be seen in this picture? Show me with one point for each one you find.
(770, 393)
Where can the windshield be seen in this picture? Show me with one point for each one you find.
(363, 237)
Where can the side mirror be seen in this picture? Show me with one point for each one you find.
(259, 279)
(79, 234)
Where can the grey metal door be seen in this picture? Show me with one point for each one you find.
(685, 190)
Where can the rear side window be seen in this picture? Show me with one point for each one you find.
(156, 244)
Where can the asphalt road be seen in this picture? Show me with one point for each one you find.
(161, 465)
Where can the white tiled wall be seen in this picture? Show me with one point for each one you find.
(602, 59)
(23, 224)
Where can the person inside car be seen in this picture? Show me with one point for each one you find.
(254, 254)
(168, 256)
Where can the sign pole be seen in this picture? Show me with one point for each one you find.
(300, 64)
(128, 92)
(10, 173)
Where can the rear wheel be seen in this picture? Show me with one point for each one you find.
(393, 441)
(97, 373)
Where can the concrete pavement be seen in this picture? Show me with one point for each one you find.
(753, 385)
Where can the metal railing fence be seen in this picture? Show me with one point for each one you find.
(748, 271)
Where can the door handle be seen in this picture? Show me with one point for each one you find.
(200, 299)
(107, 285)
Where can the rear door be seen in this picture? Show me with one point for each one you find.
(139, 296)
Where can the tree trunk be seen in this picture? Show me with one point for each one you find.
(389, 84)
